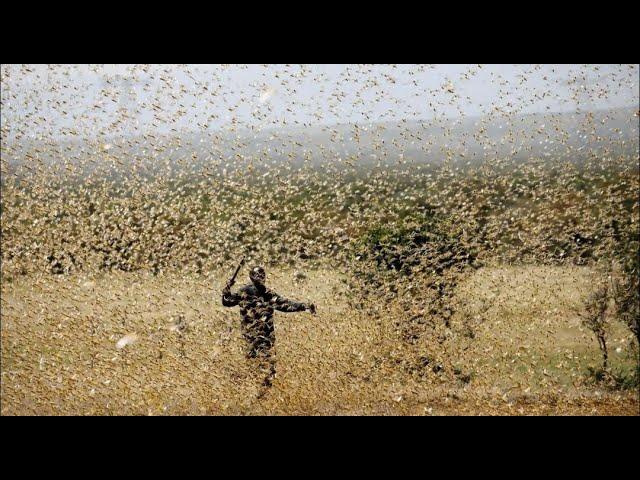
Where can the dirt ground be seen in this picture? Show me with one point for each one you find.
(517, 347)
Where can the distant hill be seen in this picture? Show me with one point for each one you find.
(518, 137)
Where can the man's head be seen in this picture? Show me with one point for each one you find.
(257, 275)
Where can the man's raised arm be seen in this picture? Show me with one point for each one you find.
(229, 299)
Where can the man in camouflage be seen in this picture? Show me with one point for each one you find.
(257, 304)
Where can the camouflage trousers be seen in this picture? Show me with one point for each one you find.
(260, 337)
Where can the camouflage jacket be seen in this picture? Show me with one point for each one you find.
(259, 303)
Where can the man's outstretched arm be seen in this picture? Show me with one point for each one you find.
(285, 305)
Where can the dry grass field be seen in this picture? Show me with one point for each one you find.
(528, 353)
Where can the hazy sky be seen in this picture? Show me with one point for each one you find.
(51, 101)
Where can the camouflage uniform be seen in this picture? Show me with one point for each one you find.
(257, 304)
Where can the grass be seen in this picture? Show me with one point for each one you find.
(59, 355)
